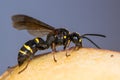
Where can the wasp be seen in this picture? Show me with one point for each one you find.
(55, 37)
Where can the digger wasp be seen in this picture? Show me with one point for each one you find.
(55, 37)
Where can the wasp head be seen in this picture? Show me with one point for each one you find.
(76, 39)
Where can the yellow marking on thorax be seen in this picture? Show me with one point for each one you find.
(80, 40)
(23, 52)
(65, 37)
(28, 48)
(37, 40)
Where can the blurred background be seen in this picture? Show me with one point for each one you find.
(82, 16)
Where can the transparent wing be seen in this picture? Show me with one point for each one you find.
(33, 26)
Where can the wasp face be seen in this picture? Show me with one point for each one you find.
(76, 39)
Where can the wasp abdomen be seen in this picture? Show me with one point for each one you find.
(28, 50)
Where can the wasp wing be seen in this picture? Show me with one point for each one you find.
(33, 26)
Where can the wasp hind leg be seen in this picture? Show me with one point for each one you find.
(24, 67)
(22, 61)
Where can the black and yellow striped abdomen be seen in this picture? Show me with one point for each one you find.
(28, 50)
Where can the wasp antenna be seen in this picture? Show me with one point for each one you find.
(91, 41)
(100, 35)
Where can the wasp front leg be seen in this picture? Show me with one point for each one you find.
(66, 45)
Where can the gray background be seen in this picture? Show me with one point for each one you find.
(82, 16)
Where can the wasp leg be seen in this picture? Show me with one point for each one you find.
(53, 51)
(54, 57)
(31, 57)
(66, 46)
(67, 55)
(24, 67)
